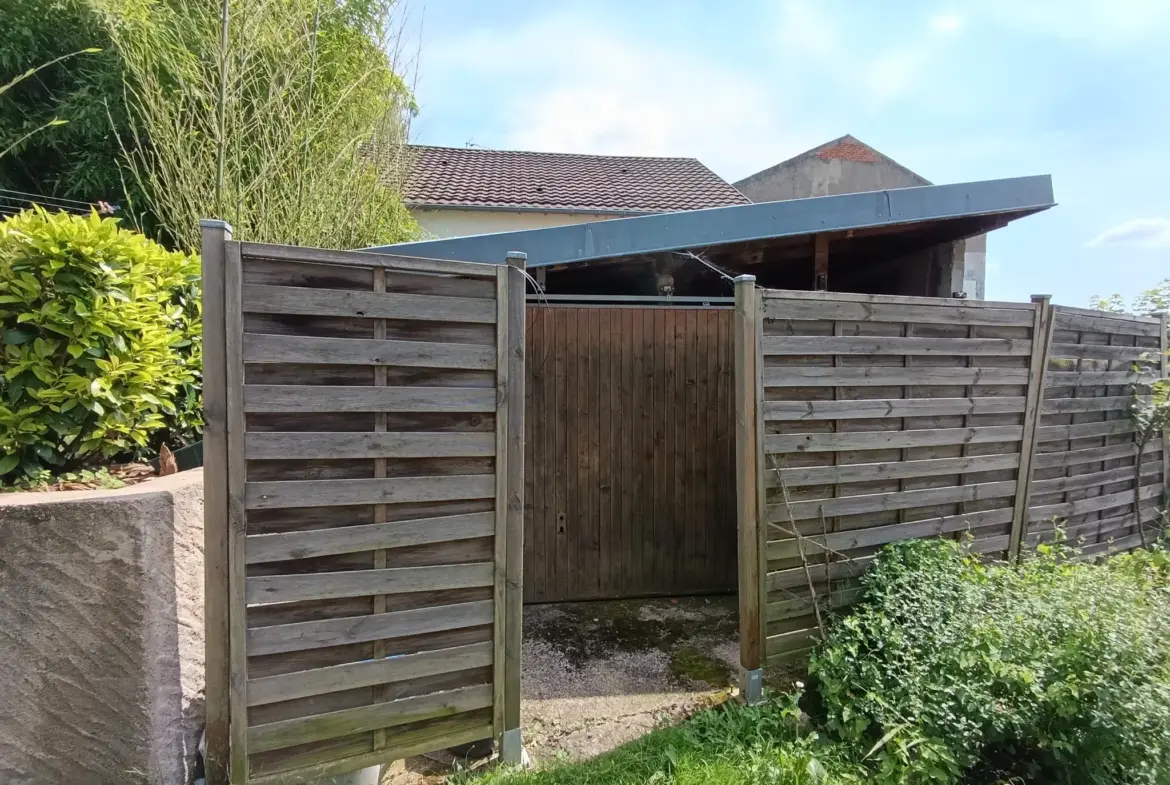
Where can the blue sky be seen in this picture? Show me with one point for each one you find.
(959, 91)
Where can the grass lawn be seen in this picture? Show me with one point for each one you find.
(726, 745)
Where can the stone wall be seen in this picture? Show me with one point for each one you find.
(101, 634)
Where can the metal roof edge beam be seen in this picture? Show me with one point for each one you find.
(743, 223)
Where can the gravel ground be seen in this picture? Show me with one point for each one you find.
(597, 675)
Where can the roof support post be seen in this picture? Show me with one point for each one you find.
(821, 263)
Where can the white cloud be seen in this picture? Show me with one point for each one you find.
(1101, 22)
(813, 45)
(580, 87)
(947, 23)
(1140, 233)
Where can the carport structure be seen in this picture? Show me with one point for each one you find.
(400, 450)
(630, 444)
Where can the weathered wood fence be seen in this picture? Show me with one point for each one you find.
(630, 452)
(866, 419)
(364, 507)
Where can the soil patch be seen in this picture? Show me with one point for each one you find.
(599, 674)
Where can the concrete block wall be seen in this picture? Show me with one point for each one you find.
(101, 634)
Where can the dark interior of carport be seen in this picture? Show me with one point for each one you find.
(630, 475)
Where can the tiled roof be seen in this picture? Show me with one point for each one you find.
(475, 177)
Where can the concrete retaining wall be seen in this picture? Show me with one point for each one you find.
(101, 634)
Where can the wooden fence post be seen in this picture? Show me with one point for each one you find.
(1033, 409)
(511, 742)
(752, 597)
(1165, 349)
(215, 235)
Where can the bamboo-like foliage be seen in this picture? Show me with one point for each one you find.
(302, 106)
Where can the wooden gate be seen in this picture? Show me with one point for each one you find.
(364, 524)
(630, 463)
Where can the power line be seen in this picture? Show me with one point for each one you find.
(41, 198)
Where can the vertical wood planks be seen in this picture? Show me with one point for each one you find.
(237, 520)
(516, 505)
(631, 449)
(215, 504)
(747, 457)
(504, 396)
(1042, 335)
(1164, 360)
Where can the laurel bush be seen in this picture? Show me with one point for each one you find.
(100, 342)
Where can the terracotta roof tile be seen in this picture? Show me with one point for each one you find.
(476, 177)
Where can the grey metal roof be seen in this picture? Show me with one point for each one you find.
(713, 227)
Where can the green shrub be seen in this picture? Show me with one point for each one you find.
(100, 331)
(1053, 671)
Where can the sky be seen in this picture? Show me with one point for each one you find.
(956, 91)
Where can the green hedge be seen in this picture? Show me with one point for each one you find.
(100, 351)
(1055, 671)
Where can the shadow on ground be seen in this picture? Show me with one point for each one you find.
(599, 674)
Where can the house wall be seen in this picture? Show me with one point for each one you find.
(812, 175)
(816, 176)
(459, 223)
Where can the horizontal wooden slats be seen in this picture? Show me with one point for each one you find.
(856, 344)
(1092, 480)
(886, 407)
(852, 505)
(878, 440)
(939, 448)
(880, 535)
(878, 376)
(368, 598)
(1048, 460)
(307, 301)
(1046, 532)
(286, 546)
(1076, 319)
(796, 639)
(396, 490)
(305, 684)
(297, 254)
(1096, 378)
(1100, 351)
(1091, 504)
(361, 583)
(873, 312)
(1084, 430)
(1082, 405)
(452, 731)
(288, 733)
(321, 445)
(300, 636)
(260, 348)
(890, 470)
(318, 399)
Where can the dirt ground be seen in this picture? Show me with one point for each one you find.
(599, 674)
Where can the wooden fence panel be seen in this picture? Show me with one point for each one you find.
(631, 491)
(1083, 475)
(373, 476)
(884, 418)
(888, 418)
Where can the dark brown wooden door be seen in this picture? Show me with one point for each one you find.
(630, 486)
